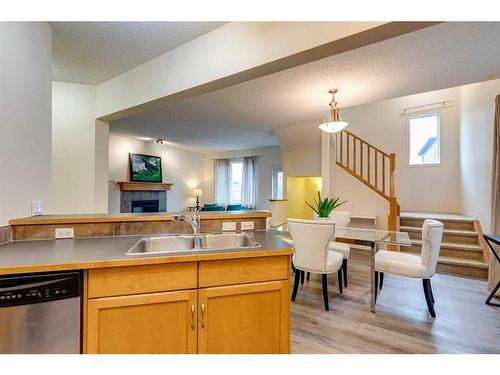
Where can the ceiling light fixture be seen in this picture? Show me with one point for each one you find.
(160, 142)
(335, 124)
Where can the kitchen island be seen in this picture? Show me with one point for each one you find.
(198, 301)
(119, 224)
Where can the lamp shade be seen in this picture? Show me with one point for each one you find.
(333, 126)
(197, 192)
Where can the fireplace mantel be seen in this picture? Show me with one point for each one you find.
(144, 186)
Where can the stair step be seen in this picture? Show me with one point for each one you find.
(463, 267)
(449, 249)
(450, 221)
(455, 232)
(436, 216)
(455, 224)
(449, 235)
(454, 246)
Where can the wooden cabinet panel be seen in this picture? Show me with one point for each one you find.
(239, 271)
(147, 323)
(118, 281)
(249, 319)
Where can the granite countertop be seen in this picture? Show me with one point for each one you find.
(127, 217)
(98, 252)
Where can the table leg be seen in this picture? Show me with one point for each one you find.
(492, 294)
(373, 250)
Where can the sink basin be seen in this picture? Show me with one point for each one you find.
(192, 242)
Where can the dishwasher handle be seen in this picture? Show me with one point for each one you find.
(14, 285)
(38, 288)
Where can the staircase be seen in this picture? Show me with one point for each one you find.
(372, 166)
(461, 248)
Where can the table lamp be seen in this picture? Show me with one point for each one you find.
(198, 193)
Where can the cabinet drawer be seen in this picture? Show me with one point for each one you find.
(240, 271)
(118, 281)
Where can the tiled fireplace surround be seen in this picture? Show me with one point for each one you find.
(126, 198)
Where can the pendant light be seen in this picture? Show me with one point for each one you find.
(335, 124)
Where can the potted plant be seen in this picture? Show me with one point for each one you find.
(324, 207)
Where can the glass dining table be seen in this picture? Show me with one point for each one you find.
(372, 238)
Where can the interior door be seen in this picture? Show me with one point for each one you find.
(144, 323)
(244, 319)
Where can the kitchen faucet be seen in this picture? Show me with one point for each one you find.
(194, 222)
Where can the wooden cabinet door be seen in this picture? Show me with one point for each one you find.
(143, 323)
(249, 318)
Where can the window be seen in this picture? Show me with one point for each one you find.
(424, 139)
(278, 183)
(236, 181)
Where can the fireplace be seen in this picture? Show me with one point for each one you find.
(149, 205)
(143, 196)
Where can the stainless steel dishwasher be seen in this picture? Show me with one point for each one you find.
(40, 313)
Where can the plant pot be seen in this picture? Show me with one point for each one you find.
(316, 217)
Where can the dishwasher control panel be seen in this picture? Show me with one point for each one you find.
(14, 292)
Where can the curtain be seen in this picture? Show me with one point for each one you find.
(222, 181)
(249, 185)
(495, 182)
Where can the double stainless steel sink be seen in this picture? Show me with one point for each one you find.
(192, 242)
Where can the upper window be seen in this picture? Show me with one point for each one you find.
(277, 183)
(236, 181)
(424, 139)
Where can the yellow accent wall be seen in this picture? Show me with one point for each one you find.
(300, 190)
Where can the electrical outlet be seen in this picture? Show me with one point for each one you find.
(36, 208)
(65, 233)
(231, 225)
(247, 225)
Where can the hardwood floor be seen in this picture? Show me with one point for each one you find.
(464, 323)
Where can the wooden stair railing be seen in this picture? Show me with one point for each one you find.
(372, 166)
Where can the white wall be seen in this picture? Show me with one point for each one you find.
(302, 163)
(183, 168)
(269, 158)
(73, 148)
(477, 112)
(424, 189)
(25, 117)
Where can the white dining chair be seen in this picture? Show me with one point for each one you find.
(342, 220)
(311, 239)
(421, 266)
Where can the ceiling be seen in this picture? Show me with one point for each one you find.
(247, 115)
(93, 52)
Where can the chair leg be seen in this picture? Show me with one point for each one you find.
(427, 284)
(344, 271)
(339, 273)
(296, 284)
(325, 291)
(308, 276)
(381, 280)
(302, 276)
(293, 269)
(430, 291)
(376, 285)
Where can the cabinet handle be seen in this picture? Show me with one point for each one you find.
(192, 316)
(202, 315)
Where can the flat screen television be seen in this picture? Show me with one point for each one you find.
(145, 168)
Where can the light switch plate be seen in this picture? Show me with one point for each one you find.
(231, 225)
(64, 233)
(247, 225)
(36, 208)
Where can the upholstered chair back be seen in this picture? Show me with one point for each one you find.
(341, 218)
(311, 239)
(432, 233)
